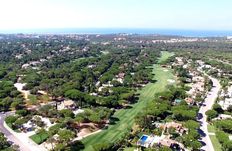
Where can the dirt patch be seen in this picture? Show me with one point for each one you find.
(87, 128)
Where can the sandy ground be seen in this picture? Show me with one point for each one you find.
(19, 87)
(86, 130)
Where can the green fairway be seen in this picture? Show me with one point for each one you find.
(165, 56)
(126, 116)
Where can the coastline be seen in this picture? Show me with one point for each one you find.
(106, 31)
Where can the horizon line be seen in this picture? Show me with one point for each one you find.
(122, 30)
(143, 28)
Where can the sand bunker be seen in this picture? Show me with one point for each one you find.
(171, 81)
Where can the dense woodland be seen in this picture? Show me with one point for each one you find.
(77, 67)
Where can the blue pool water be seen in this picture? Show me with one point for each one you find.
(143, 138)
(178, 100)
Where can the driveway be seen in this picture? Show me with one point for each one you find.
(209, 101)
(9, 135)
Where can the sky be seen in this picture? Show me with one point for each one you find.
(159, 14)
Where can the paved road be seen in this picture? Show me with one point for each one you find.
(209, 101)
(10, 136)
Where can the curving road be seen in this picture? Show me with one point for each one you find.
(202, 118)
(9, 135)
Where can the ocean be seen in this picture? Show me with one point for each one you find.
(174, 32)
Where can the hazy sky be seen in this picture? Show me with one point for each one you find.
(171, 14)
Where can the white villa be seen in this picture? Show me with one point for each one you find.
(66, 104)
(228, 98)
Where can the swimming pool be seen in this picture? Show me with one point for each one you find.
(144, 138)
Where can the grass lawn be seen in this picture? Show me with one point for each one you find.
(213, 138)
(126, 116)
(39, 138)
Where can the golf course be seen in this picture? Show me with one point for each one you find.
(126, 116)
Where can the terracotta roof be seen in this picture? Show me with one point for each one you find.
(68, 103)
(189, 100)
